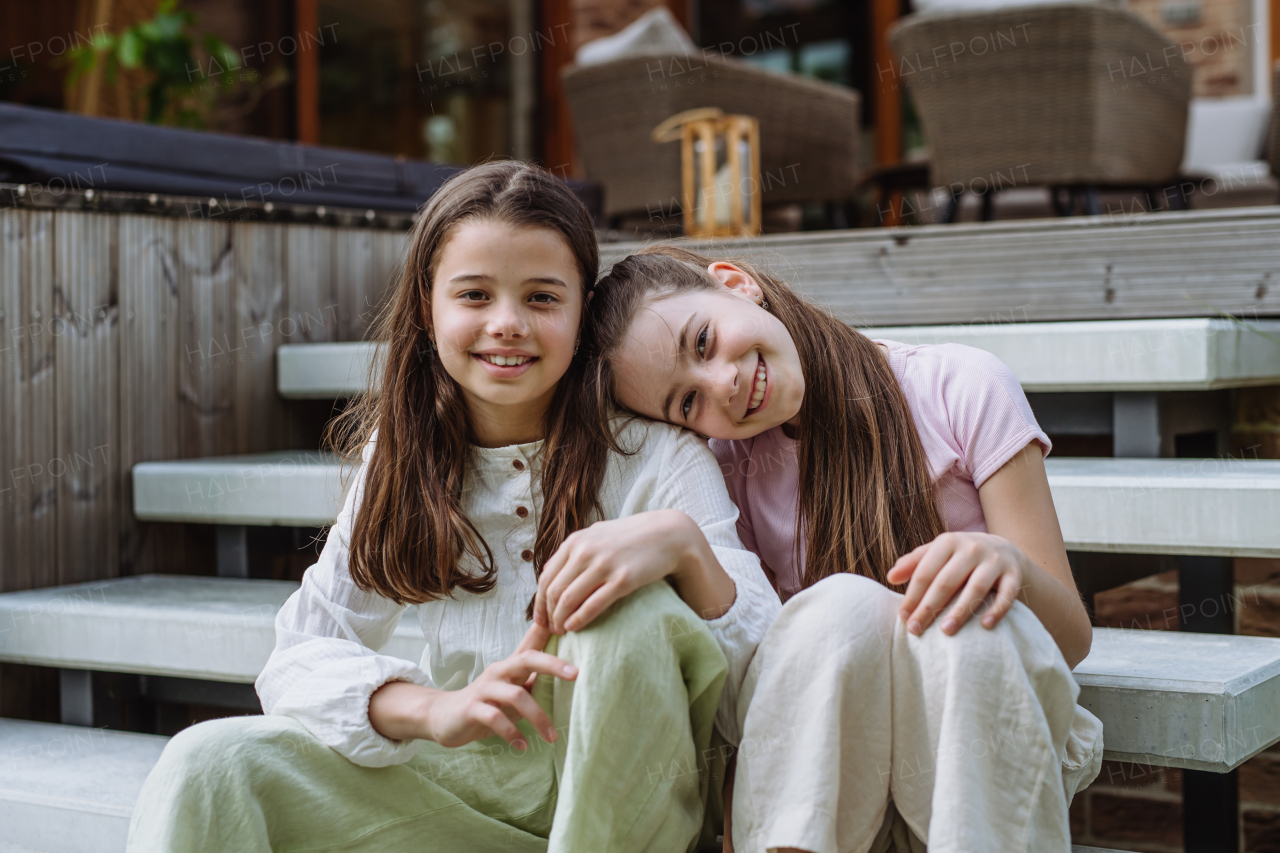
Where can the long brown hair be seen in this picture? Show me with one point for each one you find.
(866, 496)
(411, 530)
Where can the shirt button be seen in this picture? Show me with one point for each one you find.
(526, 555)
(518, 465)
(521, 511)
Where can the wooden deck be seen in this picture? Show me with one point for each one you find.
(1184, 264)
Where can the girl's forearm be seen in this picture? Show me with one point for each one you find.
(398, 710)
(1059, 610)
(700, 580)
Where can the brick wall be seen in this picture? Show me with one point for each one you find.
(1257, 425)
(1138, 808)
(1219, 46)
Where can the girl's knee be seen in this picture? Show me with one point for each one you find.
(842, 601)
(650, 623)
(647, 615)
(235, 744)
(840, 624)
(1017, 640)
(203, 742)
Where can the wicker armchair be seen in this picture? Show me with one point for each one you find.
(809, 130)
(1079, 95)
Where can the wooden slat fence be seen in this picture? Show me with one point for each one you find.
(126, 338)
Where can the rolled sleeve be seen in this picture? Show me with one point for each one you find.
(326, 664)
(694, 485)
(740, 630)
(331, 698)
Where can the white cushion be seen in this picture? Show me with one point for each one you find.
(1224, 131)
(655, 32)
(924, 6)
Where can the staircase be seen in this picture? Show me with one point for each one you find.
(67, 789)
(1198, 699)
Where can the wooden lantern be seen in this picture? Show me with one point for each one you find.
(720, 165)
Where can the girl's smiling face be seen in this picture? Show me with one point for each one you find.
(712, 361)
(505, 309)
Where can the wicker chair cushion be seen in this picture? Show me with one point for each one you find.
(656, 31)
(1079, 93)
(923, 6)
(1226, 136)
(809, 130)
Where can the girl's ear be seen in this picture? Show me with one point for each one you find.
(736, 279)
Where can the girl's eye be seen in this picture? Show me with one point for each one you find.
(543, 299)
(686, 405)
(473, 296)
(702, 341)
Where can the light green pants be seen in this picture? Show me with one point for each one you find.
(629, 771)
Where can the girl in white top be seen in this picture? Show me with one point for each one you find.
(484, 466)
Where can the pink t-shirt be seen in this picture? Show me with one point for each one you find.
(972, 417)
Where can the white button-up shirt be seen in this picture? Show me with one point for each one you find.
(326, 663)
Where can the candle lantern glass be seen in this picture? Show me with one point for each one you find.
(720, 164)
(722, 201)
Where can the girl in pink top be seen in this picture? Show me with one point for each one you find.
(897, 496)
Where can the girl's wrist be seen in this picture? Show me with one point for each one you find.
(1026, 567)
(688, 543)
(421, 712)
(697, 570)
(401, 710)
(1038, 588)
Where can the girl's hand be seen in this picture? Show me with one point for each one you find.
(498, 698)
(608, 561)
(971, 564)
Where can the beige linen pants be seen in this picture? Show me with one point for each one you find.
(975, 739)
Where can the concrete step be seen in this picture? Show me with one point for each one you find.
(300, 488)
(322, 371)
(1195, 354)
(1173, 699)
(1209, 507)
(1184, 700)
(1139, 506)
(66, 789)
(1119, 355)
(217, 629)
